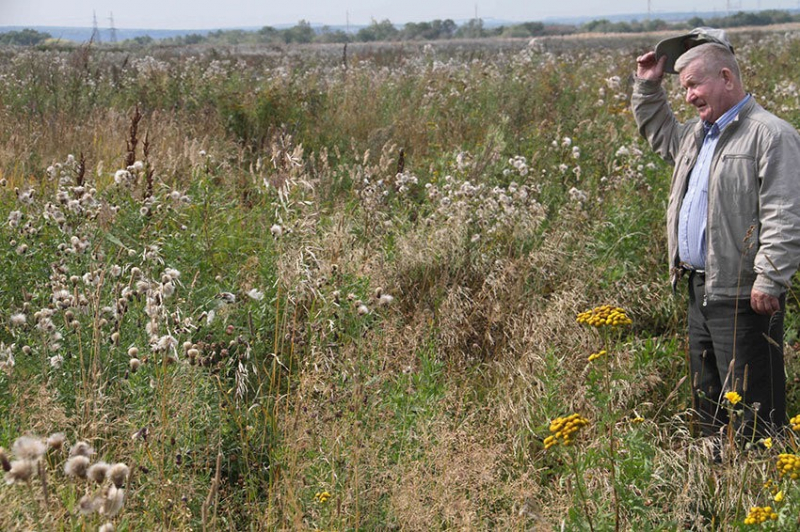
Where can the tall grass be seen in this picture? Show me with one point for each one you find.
(280, 322)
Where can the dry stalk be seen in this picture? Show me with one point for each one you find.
(149, 171)
(212, 493)
(81, 170)
(43, 478)
(133, 141)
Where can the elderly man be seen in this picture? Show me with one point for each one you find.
(733, 225)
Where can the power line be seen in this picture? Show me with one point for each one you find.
(95, 38)
(112, 30)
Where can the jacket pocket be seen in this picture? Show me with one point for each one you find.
(738, 184)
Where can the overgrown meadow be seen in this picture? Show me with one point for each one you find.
(387, 287)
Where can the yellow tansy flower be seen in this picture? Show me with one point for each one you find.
(760, 514)
(604, 316)
(563, 428)
(595, 356)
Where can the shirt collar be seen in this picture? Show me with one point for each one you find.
(727, 117)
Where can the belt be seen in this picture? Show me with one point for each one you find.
(688, 268)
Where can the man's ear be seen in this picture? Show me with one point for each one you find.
(728, 76)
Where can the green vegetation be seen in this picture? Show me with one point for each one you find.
(291, 289)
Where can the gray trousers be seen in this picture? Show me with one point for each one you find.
(730, 350)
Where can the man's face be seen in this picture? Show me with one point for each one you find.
(710, 92)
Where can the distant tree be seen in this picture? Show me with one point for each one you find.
(302, 33)
(656, 25)
(234, 36)
(142, 40)
(378, 31)
(429, 31)
(472, 29)
(328, 35)
(695, 22)
(26, 37)
(446, 29)
(606, 26)
(526, 29)
(192, 38)
(268, 34)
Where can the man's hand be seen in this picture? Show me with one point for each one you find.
(764, 303)
(647, 67)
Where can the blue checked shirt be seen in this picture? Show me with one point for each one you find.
(694, 210)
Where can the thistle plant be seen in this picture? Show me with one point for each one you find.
(103, 485)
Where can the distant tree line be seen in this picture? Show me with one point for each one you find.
(24, 37)
(385, 30)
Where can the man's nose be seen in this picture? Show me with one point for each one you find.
(690, 96)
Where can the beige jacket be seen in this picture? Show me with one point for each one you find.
(753, 227)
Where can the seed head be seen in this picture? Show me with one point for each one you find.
(118, 473)
(114, 499)
(81, 448)
(76, 466)
(56, 441)
(88, 504)
(97, 472)
(20, 471)
(29, 448)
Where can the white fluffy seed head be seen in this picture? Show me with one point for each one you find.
(97, 472)
(29, 448)
(56, 441)
(81, 448)
(76, 466)
(113, 502)
(21, 471)
(118, 473)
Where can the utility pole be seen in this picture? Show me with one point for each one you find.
(112, 30)
(95, 38)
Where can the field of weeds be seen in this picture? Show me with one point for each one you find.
(355, 289)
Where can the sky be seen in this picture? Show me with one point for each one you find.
(214, 14)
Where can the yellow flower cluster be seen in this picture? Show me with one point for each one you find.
(733, 397)
(788, 464)
(595, 356)
(795, 422)
(771, 486)
(322, 497)
(604, 316)
(759, 514)
(563, 428)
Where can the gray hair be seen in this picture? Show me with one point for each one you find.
(714, 56)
